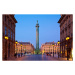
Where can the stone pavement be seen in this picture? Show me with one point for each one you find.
(65, 59)
(38, 58)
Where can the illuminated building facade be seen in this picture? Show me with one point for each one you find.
(66, 30)
(48, 47)
(24, 47)
(8, 29)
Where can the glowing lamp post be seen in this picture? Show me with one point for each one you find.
(53, 50)
(16, 42)
(21, 50)
(58, 48)
(67, 38)
(44, 50)
(6, 38)
(49, 51)
(16, 47)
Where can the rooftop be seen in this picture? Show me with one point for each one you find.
(24, 42)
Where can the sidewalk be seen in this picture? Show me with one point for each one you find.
(61, 58)
(13, 59)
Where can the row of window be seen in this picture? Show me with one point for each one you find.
(64, 38)
(51, 47)
(66, 18)
(9, 22)
(65, 29)
(23, 50)
(51, 44)
(25, 47)
(50, 50)
(66, 33)
(10, 34)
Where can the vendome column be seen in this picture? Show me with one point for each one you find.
(37, 36)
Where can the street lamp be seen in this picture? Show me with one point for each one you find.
(49, 51)
(53, 50)
(21, 50)
(58, 48)
(67, 38)
(16, 47)
(6, 38)
(44, 50)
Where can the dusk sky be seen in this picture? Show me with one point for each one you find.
(49, 29)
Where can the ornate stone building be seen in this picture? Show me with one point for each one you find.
(24, 47)
(66, 30)
(48, 47)
(8, 36)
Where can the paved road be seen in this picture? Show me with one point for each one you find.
(37, 58)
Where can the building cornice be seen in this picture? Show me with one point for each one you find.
(12, 16)
(61, 18)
